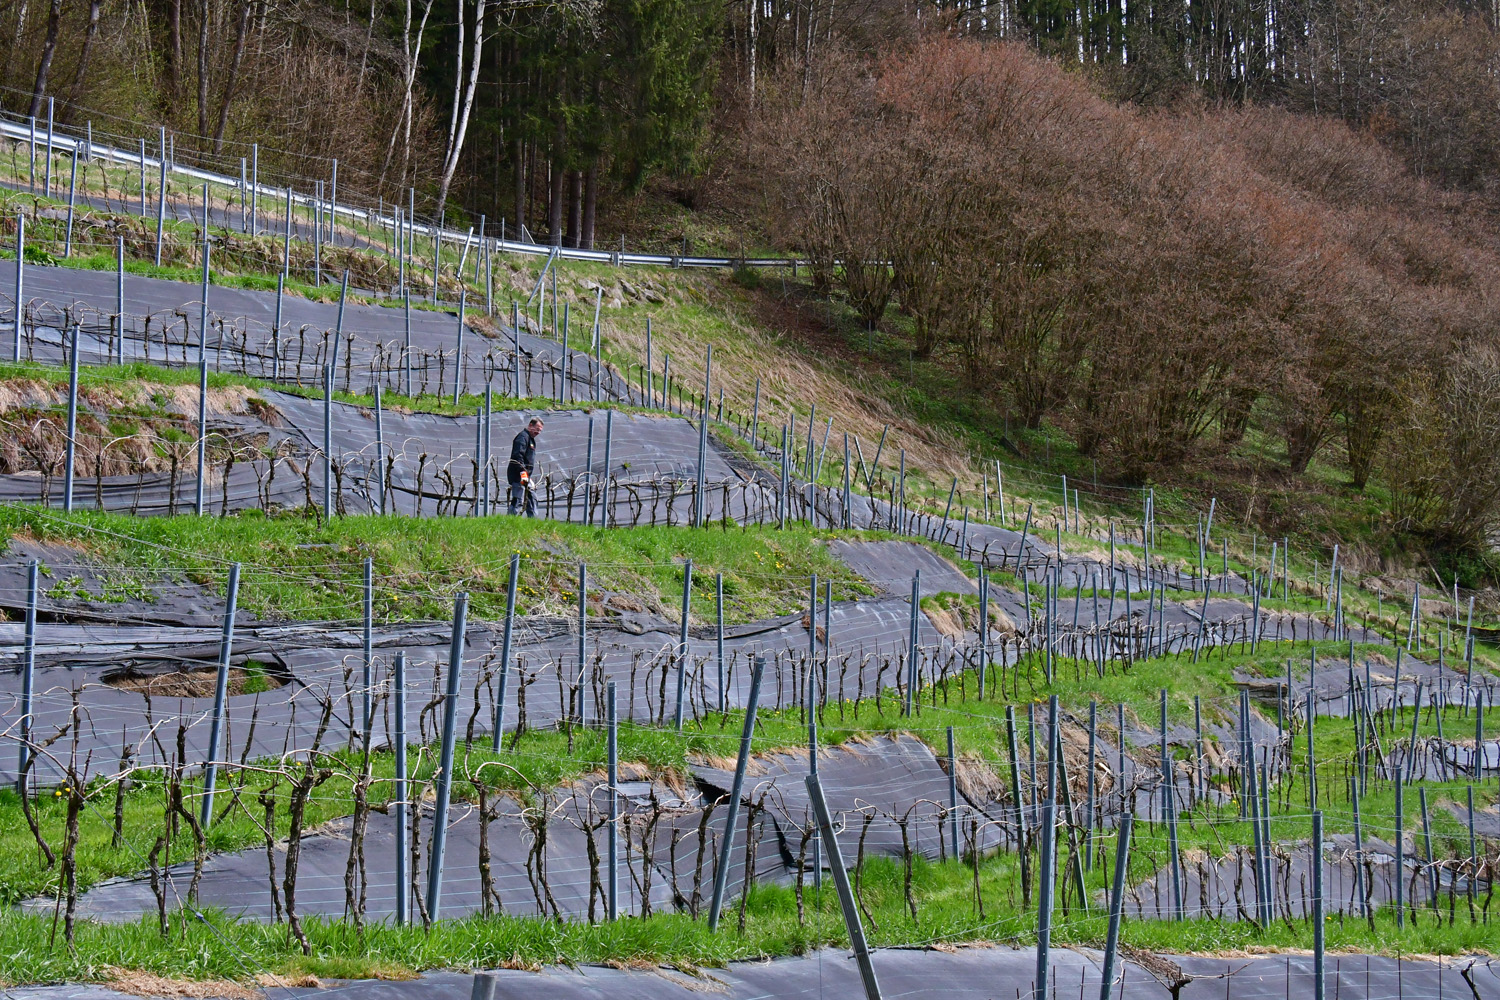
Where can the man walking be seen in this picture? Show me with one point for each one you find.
(522, 465)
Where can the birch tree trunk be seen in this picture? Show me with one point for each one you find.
(751, 29)
(364, 55)
(75, 91)
(409, 53)
(458, 82)
(234, 75)
(174, 48)
(203, 24)
(463, 99)
(518, 160)
(590, 204)
(15, 40)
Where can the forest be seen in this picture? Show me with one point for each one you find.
(535, 111)
(1172, 230)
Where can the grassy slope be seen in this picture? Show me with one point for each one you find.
(296, 568)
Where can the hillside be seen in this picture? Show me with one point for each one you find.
(402, 735)
(654, 498)
(804, 339)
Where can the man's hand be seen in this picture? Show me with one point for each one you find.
(525, 478)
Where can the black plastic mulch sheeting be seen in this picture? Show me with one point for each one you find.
(891, 565)
(983, 973)
(1208, 882)
(862, 655)
(325, 660)
(891, 779)
(241, 321)
(77, 589)
(558, 883)
(1338, 684)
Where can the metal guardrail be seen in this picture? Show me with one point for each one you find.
(25, 132)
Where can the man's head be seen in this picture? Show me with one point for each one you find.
(534, 426)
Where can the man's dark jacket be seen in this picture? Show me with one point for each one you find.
(522, 456)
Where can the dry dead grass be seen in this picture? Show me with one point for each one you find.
(137, 982)
(33, 438)
(196, 683)
(746, 350)
(946, 623)
(979, 782)
(302, 980)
